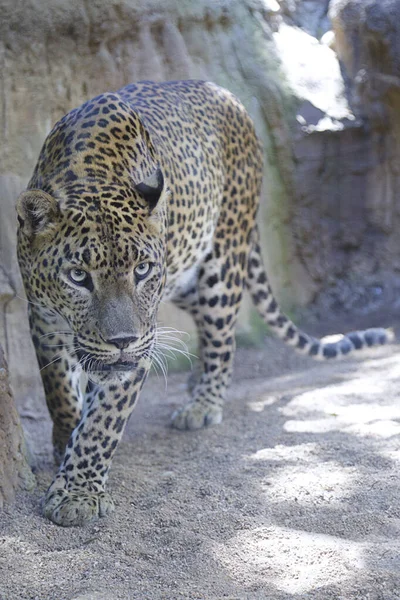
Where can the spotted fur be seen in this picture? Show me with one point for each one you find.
(145, 194)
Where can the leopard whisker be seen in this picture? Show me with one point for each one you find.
(45, 346)
(33, 303)
(161, 329)
(56, 359)
(172, 349)
(56, 333)
(174, 343)
(159, 360)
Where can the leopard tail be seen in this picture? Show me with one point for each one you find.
(325, 348)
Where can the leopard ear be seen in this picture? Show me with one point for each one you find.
(151, 188)
(37, 211)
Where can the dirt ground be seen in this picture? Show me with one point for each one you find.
(296, 495)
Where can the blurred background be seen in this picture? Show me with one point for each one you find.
(321, 80)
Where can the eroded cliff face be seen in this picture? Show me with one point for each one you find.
(14, 470)
(367, 42)
(344, 213)
(329, 209)
(56, 56)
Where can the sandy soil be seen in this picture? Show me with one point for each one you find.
(295, 495)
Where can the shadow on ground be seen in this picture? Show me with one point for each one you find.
(296, 495)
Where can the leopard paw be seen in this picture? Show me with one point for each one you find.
(76, 507)
(196, 415)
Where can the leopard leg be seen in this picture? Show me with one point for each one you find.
(77, 494)
(222, 275)
(61, 376)
(189, 302)
(220, 285)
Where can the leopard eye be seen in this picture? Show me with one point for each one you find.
(143, 270)
(79, 277)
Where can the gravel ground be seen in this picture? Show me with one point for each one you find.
(294, 496)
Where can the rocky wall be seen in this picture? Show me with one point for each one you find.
(329, 211)
(343, 66)
(15, 472)
(56, 55)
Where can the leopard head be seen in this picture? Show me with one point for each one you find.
(95, 258)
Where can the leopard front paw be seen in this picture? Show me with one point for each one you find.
(76, 507)
(196, 415)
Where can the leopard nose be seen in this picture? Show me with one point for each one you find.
(122, 341)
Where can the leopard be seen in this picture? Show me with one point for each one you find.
(140, 196)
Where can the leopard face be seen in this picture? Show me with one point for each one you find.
(101, 281)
